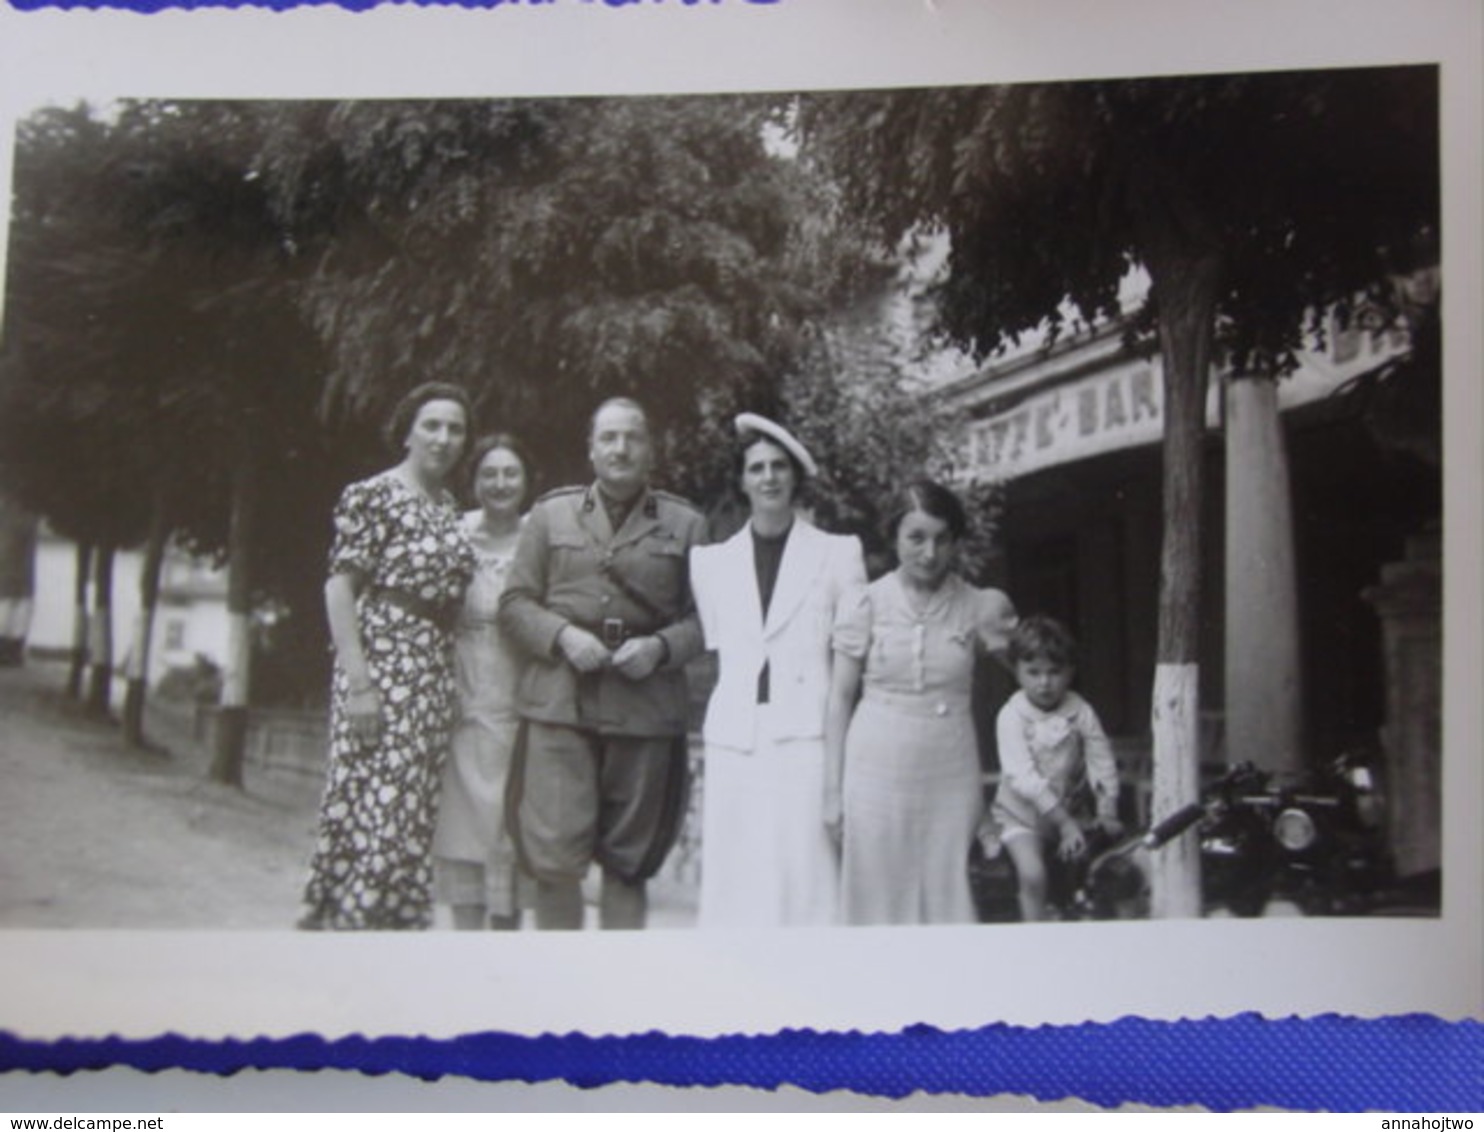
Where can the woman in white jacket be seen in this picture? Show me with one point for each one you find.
(775, 601)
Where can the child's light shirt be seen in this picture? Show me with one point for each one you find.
(1044, 754)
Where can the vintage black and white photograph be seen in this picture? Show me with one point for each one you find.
(972, 505)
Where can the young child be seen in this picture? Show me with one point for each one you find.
(1050, 742)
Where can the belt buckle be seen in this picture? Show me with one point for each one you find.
(613, 634)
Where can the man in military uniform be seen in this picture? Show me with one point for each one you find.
(598, 600)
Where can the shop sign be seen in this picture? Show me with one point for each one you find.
(1119, 409)
(1123, 407)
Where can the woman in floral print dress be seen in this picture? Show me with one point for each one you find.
(399, 566)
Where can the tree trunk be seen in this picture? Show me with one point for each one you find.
(231, 724)
(80, 634)
(137, 669)
(1264, 717)
(18, 528)
(1185, 290)
(100, 670)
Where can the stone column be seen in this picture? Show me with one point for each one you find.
(1264, 716)
(1409, 602)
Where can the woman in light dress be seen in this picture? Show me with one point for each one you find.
(475, 864)
(905, 777)
(771, 601)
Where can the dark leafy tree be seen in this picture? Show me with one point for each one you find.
(545, 255)
(151, 337)
(874, 427)
(548, 254)
(246, 373)
(1256, 203)
(214, 304)
(66, 387)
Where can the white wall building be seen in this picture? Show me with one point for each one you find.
(191, 618)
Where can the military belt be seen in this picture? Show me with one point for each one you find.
(614, 631)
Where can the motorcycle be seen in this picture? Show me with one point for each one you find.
(1109, 881)
(1315, 844)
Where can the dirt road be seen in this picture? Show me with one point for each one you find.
(94, 835)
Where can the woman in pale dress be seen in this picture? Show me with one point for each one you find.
(770, 601)
(904, 775)
(475, 866)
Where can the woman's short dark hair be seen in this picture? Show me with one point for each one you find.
(747, 438)
(931, 498)
(506, 440)
(1042, 638)
(399, 424)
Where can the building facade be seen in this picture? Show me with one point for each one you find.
(1073, 433)
(190, 619)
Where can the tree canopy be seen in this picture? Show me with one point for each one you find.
(1052, 192)
(189, 277)
(148, 319)
(1257, 203)
(545, 255)
(193, 285)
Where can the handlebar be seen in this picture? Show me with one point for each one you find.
(1243, 774)
(1243, 787)
(1174, 825)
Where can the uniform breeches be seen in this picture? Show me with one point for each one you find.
(576, 796)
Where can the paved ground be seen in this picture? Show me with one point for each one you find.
(95, 835)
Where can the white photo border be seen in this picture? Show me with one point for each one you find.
(55, 984)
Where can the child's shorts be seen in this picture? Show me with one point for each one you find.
(1012, 825)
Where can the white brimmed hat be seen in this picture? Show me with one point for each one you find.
(751, 422)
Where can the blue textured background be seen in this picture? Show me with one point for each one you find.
(1407, 1063)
